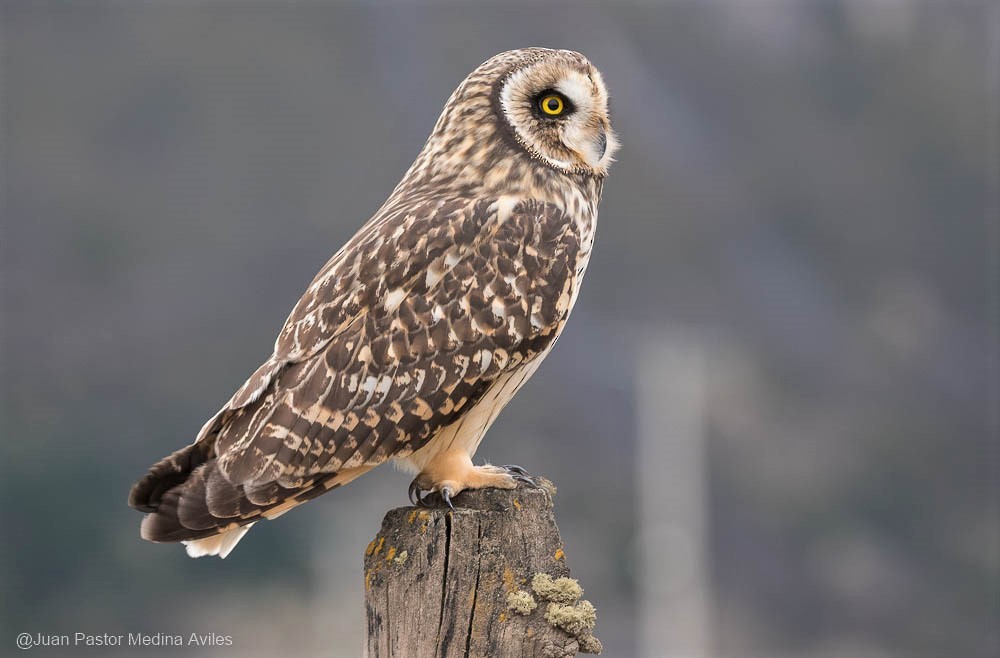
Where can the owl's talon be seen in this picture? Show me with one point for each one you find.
(521, 475)
(530, 481)
(416, 497)
(445, 494)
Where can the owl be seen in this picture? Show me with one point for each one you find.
(418, 332)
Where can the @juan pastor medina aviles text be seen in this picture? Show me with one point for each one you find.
(80, 639)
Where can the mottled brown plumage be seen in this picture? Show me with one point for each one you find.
(413, 337)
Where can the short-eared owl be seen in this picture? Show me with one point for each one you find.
(414, 336)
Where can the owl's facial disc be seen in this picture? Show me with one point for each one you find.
(557, 108)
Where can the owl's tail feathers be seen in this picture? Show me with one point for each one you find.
(166, 474)
(188, 500)
(220, 545)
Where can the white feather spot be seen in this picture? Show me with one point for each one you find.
(432, 278)
(512, 328)
(505, 206)
(394, 298)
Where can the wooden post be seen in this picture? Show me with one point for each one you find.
(488, 580)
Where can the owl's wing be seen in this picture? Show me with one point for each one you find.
(398, 336)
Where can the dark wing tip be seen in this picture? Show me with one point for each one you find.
(166, 474)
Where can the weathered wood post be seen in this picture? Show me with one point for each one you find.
(488, 580)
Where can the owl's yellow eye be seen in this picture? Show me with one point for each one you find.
(552, 105)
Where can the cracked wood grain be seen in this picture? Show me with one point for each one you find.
(437, 582)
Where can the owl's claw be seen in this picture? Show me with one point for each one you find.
(415, 495)
(445, 494)
(521, 475)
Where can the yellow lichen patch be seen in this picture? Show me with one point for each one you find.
(424, 517)
(378, 548)
(559, 590)
(508, 580)
(412, 516)
(559, 554)
(517, 503)
(391, 553)
(521, 602)
(530, 632)
(371, 547)
(502, 618)
(574, 619)
(402, 557)
(371, 573)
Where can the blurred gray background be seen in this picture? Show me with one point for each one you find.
(772, 418)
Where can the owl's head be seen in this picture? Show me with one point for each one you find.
(555, 105)
(519, 109)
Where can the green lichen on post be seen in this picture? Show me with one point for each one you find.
(566, 611)
(559, 590)
(590, 644)
(521, 602)
(574, 619)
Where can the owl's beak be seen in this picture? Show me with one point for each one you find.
(601, 142)
(605, 145)
(593, 145)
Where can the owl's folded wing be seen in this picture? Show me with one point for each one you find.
(398, 336)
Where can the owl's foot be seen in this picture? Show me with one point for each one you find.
(452, 472)
(419, 498)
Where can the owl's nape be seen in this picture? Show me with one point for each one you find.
(416, 334)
